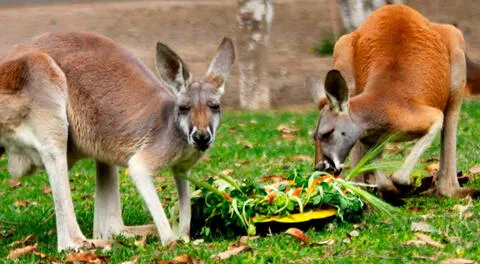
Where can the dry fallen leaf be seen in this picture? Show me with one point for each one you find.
(452, 239)
(85, 257)
(133, 261)
(14, 254)
(273, 178)
(392, 148)
(47, 190)
(233, 250)
(433, 168)
(354, 233)
(415, 243)
(19, 203)
(227, 171)
(245, 239)
(422, 226)
(287, 132)
(457, 261)
(301, 158)
(462, 209)
(475, 169)
(247, 145)
(431, 258)
(275, 181)
(428, 216)
(14, 182)
(286, 129)
(322, 243)
(44, 256)
(428, 240)
(467, 215)
(21, 242)
(414, 209)
(298, 234)
(183, 259)
(288, 136)
(198, 242)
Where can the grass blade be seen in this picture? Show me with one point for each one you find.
(369, 156)
(377, 204)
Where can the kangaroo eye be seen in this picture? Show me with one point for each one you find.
(327, 134)
(215, 107)
(183, 109)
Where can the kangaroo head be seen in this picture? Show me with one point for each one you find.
(336, 133)
(197, 102)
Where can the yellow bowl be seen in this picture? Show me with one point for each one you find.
(298, 218)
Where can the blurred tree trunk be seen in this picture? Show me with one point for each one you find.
(354, 12)
(254, 20)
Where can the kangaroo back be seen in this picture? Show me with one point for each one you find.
(396, 53)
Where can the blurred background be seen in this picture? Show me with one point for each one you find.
(294, 36)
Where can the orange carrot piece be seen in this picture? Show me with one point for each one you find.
(228, 197)
(271, 197)
(297, 192)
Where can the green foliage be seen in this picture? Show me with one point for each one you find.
(225, 209)
(327, 44)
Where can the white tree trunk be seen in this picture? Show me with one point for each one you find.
(254, 20)
(354, 12)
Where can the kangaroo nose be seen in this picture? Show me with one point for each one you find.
(202, 139)
(325, 166)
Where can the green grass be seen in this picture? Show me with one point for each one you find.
(326, 45)
(250, 144)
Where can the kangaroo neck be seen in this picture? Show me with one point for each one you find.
(370, 115)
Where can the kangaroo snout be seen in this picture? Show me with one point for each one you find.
(202, 139)
(329, 166)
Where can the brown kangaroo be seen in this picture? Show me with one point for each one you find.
(69, 96)
(398, 73)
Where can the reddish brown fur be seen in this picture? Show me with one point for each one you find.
(13, 75)
(17, 75)
(215, 80)
(201, 117)
(200, 113)
(395, 64)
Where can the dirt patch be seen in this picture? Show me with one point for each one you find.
(195, 28)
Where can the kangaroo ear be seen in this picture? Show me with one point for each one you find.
(316, 91)
(173, 72)
(222, 64)
(337, 91)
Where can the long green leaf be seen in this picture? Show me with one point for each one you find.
(370, 155)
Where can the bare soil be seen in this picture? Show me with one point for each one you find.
(195, 28)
